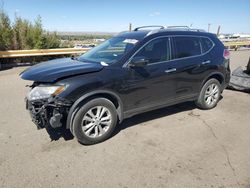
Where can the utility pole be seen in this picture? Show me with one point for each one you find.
(130, 27)
(208, 28)
(218, 30)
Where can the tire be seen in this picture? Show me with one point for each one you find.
(88, 127)
(209, 95)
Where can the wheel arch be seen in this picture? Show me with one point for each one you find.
(113, 97)
(217, 75)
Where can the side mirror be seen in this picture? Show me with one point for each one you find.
(138, 62)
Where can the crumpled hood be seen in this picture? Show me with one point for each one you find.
(53, 70)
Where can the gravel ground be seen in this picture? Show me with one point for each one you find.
(178, 146)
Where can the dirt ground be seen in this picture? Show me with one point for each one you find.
(179, 146)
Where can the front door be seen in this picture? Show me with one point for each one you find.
(153, 84)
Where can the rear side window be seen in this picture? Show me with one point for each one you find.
(156, 50)
(186, 47)
(206, 44)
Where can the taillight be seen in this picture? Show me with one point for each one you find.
(226, 54)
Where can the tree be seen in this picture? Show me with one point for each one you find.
(5, 31)
(50, 40)
(32, 36)
(38, 33)
(23, 34)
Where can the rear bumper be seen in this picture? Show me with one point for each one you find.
(47, 112)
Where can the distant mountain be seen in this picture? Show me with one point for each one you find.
(86, 33)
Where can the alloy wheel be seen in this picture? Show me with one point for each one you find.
(96, 121)
(212, 94)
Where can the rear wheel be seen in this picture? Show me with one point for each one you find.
(209, 95)
(95, 121)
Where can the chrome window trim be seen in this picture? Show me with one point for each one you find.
(171, 36)
(170, 50)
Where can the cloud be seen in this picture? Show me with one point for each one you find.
(154, 14)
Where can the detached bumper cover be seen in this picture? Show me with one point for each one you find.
(227, 80)
(49, 112)
(240, 80)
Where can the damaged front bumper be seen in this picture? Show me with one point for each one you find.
(49, 112)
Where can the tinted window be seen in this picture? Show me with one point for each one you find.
(206, 44)
(186, 46)
(155, 51)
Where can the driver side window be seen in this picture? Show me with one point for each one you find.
(156, 51)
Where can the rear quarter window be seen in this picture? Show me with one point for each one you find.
(186, 46)
(206, 44)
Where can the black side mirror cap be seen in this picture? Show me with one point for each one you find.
(138, 62)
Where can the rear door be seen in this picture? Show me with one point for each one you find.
(190, 64)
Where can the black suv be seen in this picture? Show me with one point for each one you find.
(131, 73)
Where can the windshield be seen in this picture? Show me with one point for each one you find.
(109, 51)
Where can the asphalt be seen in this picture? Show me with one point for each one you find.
(178, 146)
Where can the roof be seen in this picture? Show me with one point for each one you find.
(140, 34)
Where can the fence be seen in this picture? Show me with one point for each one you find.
(63, 51)
(42, 52)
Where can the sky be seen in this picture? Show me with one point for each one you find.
(115, 15)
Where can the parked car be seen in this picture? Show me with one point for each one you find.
(84, 46)
(131, 73)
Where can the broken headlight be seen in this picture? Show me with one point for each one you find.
(43, 92)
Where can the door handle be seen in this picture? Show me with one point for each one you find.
(206, 62)
(170, 70)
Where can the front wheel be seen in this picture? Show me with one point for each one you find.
(209, 95)
(95, 121)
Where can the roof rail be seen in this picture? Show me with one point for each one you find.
(142, 27)
(186, 28)
(178, 27)
(199, 30)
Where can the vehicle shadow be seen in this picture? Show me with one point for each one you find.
(155, 114)
(56, 134)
